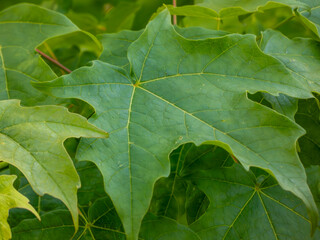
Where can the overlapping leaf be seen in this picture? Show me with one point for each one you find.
(308, 116)
(244, 205)
(10, 198)
(32, 140)
(300, 56)
(184, 91)
(239, 7)
(115, 45)
(241, 16)
(54, 225)
(311, 16)
(23, 28)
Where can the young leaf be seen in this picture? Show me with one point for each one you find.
(10, 198)
(184, 91)
(32, 139)
(243, 206)
(22, 28)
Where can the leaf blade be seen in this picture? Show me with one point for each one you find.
(47, 166)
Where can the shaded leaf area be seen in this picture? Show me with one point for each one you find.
(176, 197)
(98, 220)
(146, 121)
(31, 137)
(23, 28)
(210, 168)
(10, 198)
(243, 205)
(308, 116)
(91, 190)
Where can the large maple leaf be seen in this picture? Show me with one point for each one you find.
(180, 91)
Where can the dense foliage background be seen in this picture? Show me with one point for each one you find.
(203, 129)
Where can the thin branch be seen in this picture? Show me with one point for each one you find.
(234, 158)
(53, 61)
(51, 53)
(174, 3)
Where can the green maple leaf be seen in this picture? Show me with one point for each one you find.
(238, 7)
(244, 205)
(22, 28)
(231, 15)
(300, 56)
(311, 16)
(10, 198)
(32, 139)
(182, 91)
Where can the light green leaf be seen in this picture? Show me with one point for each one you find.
(184, 91)
(245, 206)
(300, 56)
(32, 139)
(22, 28)
(10, 198)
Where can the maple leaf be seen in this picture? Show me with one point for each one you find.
(182, 91)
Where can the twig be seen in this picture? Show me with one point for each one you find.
(174, 3)
(234, 158)
(51, 53)
(53, 61)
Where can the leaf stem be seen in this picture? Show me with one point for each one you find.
(174, 3)
(53, 61)
(283, 22)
